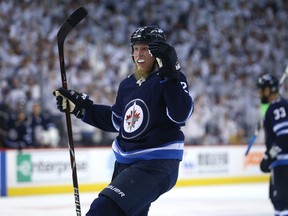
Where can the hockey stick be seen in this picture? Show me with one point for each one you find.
(259, 126)
(69, 24)
(283, 77)
(253, 138)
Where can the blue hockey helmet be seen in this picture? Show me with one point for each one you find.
(147, 34)
(267, 80)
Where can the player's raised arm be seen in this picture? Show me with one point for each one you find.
(176, 92)
(174, 82)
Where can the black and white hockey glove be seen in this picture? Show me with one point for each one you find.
(167, 54)
(265, 163)
(269, 157)
(77, 102)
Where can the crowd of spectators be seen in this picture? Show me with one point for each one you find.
(222, 47)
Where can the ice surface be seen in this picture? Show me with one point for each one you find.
(221, 200)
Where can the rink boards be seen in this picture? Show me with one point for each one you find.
(48, 171)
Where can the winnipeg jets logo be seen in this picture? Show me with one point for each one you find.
(136, 119)
(132, 118)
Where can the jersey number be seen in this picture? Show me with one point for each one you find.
(279, 113)
(184, 85)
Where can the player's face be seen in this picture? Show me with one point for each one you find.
(264, 95)
(260, 93)
(142, 57)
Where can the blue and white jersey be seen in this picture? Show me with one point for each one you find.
(148, 114)
(276, 129)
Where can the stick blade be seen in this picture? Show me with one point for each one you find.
(77, 16)
(70, 23)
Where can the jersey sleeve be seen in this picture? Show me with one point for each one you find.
(100, 116)
(179, 103)
(268, 125)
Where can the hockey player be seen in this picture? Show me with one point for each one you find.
(275, 159)
(151, 106)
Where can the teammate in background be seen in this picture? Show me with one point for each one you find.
(275, 159)
(151, 106)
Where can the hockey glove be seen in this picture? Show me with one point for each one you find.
(265, 163)
(77, 102)
(167, 54)
(269, 156)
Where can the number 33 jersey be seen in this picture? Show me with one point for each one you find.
(276, 125)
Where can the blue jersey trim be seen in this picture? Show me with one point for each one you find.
(278, 163)
(164, 80)
(173, 150)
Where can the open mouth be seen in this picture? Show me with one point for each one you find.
(140, 61)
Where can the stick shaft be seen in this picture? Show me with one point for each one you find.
(283, 77)
(65, 29)
(70, 133)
